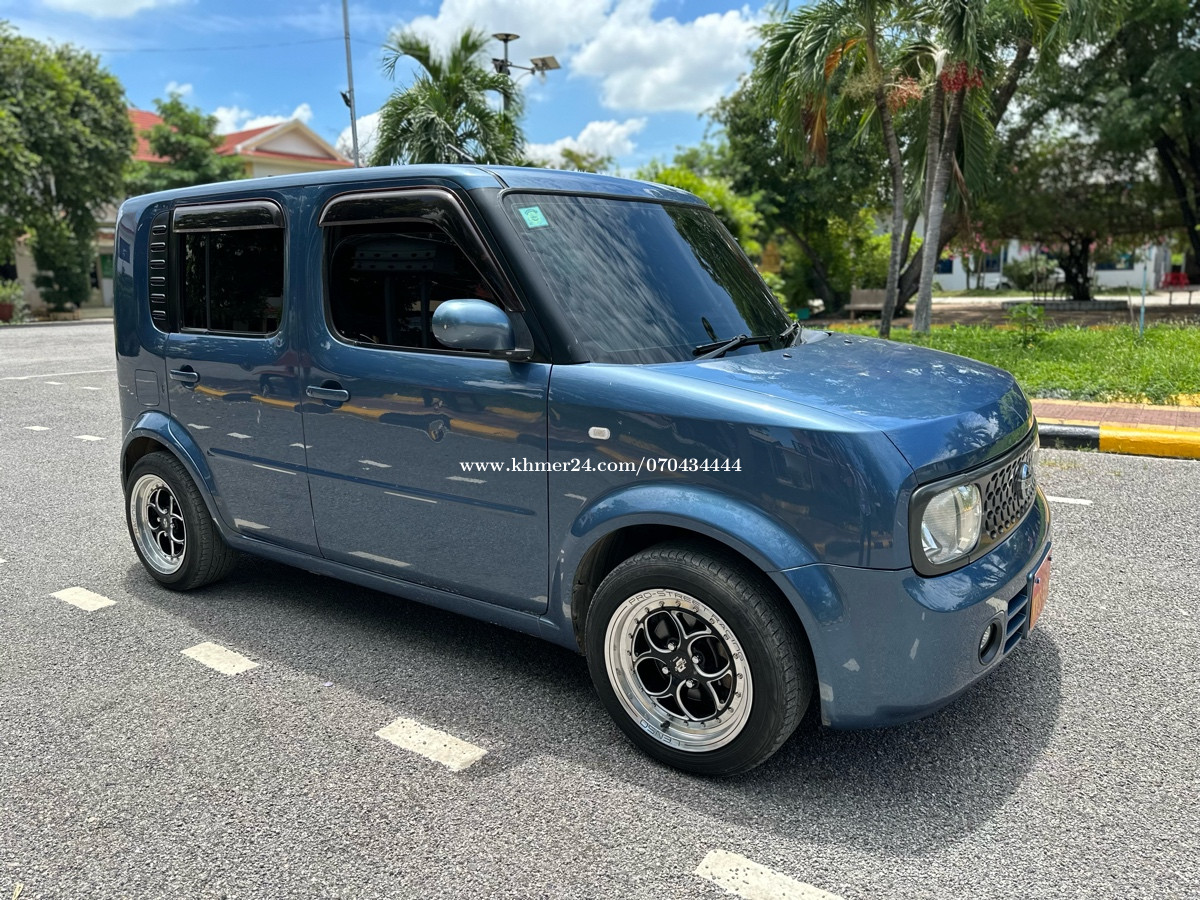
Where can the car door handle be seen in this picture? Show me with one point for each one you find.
(187, 376)
(327, 393)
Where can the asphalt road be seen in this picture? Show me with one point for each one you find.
(130, 770)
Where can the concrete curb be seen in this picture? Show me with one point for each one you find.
(1136, 440)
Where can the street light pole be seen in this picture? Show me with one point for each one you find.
(539, 65)
(502, 65)
(349, 95)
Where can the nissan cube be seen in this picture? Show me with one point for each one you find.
(567, 404)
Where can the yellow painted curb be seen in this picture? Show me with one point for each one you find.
(1174, 442)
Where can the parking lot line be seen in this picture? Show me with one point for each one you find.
(54, 375)
(1072, 500)
(36, 428)
(751, 881)
(87, 437)
(438, 746)
(83, 598)
(224, 660)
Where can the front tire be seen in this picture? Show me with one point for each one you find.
(695, 659)
(173, 534)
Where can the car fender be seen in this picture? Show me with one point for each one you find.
(164, 430)
(733, 523)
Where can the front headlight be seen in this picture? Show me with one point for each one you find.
(951, 523)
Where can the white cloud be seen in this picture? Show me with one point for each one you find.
(643, 64)
(368, 134)
(656, 65)
(106, 9)
(547, 28)
(174, 87)
(234, 118)
(609, 138)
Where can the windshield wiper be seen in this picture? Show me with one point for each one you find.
(717, 349)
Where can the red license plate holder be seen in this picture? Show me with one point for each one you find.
(1039, 587)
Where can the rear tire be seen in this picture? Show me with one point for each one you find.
(173, 534)
(695, 659)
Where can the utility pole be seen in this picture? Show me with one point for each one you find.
(349, 95)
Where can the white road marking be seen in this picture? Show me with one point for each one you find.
(438, 746)
(371, 462)
(199, 427)
(1075, 501)
(467, 480)
(749, 880)
(54, 375)
(409, 496)
(224, 660)
(239, 435)
(36, 428)
(387, 561)
(54, 382)
(83, 598)
(88, 387)
(87, 437)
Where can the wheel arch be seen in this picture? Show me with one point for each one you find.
(610, 532)
(155, 432)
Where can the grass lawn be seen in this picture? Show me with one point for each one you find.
(1105, 363)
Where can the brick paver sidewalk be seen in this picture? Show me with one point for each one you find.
(1121, 415)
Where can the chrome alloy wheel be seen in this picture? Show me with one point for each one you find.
(678, 670)
(158, 525)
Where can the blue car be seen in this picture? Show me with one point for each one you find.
(567, 404)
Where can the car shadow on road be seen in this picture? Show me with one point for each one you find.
(906, 789)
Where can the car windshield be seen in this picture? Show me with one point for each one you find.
(644, 282)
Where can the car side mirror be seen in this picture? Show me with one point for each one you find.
(477, 325)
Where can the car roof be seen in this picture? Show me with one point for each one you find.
(469, 177)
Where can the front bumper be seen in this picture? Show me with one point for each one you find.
(891, 646)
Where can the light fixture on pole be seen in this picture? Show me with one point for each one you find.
(539, 65)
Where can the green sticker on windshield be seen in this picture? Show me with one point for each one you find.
(533, 217)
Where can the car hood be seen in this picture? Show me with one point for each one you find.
(944, 413)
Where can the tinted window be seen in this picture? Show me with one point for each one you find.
(232, 281)
(387, 279)
(644, 282)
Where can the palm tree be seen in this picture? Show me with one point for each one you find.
(446, 115)
(960, 54)
(846, 43)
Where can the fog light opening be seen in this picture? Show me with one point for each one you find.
(989, 643)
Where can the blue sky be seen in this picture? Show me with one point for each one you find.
(636, 73)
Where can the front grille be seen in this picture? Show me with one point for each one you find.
(1007, 496)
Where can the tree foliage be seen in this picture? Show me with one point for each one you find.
(1070, 197)
(813, 209)
(576, 161)
(187, 139)
(448, 113)
(737, 212)
(1136, 93)
(64, 140)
